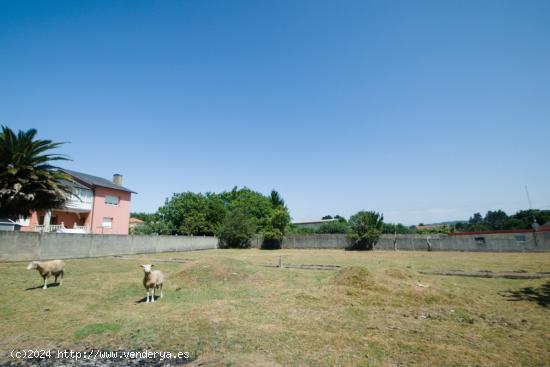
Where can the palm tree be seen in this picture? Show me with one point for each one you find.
(28, 180)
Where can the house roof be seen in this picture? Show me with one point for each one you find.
(136, 220)
(95, 181)
(74, 184)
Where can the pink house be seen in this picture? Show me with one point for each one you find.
(98, 206)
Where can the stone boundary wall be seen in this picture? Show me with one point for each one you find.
(502, 242)
(23, 246)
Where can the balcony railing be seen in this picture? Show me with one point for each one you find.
(80, 200)
(60, 228)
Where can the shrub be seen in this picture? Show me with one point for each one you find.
(366, 228)
(272, 239)
(237, 229)
(334, 227)
(151, 228)
(274, 231)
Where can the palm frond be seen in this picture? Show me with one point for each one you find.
(28, 180)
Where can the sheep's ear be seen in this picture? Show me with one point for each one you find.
(143, 266)
(152, 265)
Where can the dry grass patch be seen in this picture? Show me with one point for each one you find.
(227, 309)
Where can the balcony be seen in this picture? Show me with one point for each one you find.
(80, 201)
(60, 228)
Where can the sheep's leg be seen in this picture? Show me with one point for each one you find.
(161, 291)
(45, 282)
(147, 296)
(61, 275)
(153, 294)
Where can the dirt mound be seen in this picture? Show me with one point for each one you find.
(399, 273)
(355, 276)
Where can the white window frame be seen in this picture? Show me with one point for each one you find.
(107, 222)
(112, 196)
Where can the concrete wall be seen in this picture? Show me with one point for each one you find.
(20, 246)
(509, 242)
(306, 241)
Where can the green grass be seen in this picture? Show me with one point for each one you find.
(95, 329)
(228, 309)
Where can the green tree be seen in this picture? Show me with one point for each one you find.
(524, 219)
(151, 228)
(146, 217)
(28, 179)
(476, 223)
(215, 211)
(336, 226)
(396, 228)
(237, 229)
(294, 229)
(476, 219)
(253, 203)
(274, 231)
(495, 220)
(366, 228)
(190, 213)
(279, 219)
(276, 199)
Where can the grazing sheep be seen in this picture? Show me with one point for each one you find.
(152, 280)
(47, 268)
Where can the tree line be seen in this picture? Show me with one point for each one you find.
(492, 221)
(234, 216)
(499, 220)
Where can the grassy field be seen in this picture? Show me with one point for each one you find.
(227, 309)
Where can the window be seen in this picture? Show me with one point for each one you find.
(111, 200)
(107, 222)
(521, 238)
(83, 195)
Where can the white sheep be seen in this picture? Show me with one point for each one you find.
(152, 280)
(47, 268)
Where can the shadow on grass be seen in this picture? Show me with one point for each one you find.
(540, 295)
(40, 286)
(145, 298)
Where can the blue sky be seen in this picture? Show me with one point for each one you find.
(424, 110)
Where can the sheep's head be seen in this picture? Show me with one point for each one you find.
(32, 265)
(147, 268)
